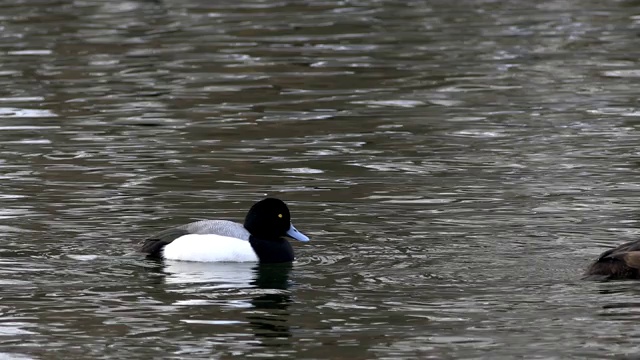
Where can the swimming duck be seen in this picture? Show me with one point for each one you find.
(622, 262)
(261, 238)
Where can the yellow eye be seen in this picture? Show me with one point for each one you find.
(280, 216)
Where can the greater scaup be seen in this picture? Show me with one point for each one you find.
(261, 238)
(622, 262)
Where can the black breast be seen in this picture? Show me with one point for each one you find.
(272, 251)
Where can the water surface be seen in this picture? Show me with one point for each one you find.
(456, 164)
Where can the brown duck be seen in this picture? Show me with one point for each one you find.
(622, 262)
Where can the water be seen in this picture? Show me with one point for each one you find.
(457, 165)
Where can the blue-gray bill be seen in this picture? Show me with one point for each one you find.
(295, 234)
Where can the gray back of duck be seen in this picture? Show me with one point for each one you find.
(217, 227)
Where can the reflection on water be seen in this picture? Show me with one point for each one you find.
(457, 164)
(267, 288)
(270, 318)
(214, 275)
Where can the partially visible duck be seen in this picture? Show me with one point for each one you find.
(622, 262)
(260, 239)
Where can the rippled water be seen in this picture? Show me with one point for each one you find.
(456, 163)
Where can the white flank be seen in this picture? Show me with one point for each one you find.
(209, 248)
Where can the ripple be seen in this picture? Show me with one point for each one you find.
(393, 103)
(301, 170)
(30, 52)
(212, 322)
(627, 73)
(25, 113)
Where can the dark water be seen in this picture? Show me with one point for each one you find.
(456, 163)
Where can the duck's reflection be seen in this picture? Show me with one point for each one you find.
(270, 318)
(210, 275)
(268, 285)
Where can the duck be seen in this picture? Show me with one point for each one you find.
(622, 262)
(260, 239)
